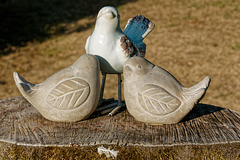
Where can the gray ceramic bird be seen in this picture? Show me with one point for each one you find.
(154, 96)
(113, 47)
(69, 95)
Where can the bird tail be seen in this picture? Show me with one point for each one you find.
(198, 91)
(26, 88)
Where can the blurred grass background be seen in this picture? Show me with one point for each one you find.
(191, 39)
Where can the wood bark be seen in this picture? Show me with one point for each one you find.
(205, 125)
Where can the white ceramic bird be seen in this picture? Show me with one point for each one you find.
(69, 95)
(111, 46)
(108, 42)
(154, 96)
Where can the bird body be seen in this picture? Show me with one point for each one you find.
(154, 96)
(69, 95)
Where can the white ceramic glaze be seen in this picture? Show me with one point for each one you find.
(108, 42)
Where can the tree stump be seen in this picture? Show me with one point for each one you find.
(206, 132)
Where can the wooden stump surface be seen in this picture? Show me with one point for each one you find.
(22, 124)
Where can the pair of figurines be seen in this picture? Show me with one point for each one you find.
(152, 94)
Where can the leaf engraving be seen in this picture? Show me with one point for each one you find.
(69, 94)
(156, 100)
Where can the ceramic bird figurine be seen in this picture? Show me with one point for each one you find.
(69, 95)
(112, 47)
(154, 96)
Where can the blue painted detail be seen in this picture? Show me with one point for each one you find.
(135, 30)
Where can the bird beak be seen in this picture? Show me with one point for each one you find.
(127, 71)
(108, 14)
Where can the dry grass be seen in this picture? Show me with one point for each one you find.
(192, 39)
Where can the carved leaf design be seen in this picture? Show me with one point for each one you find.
(69, 94)
(157, 100)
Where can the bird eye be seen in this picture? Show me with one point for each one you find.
(139, 66)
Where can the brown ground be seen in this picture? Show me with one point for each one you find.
(191, 39)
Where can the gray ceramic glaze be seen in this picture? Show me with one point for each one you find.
(154, 96)
(69, 95)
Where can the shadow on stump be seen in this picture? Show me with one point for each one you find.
(201, 110)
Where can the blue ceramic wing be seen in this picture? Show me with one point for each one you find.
(136, 30)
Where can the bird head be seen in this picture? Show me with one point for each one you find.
(108, 19)
(85, 62)
(135, 68)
